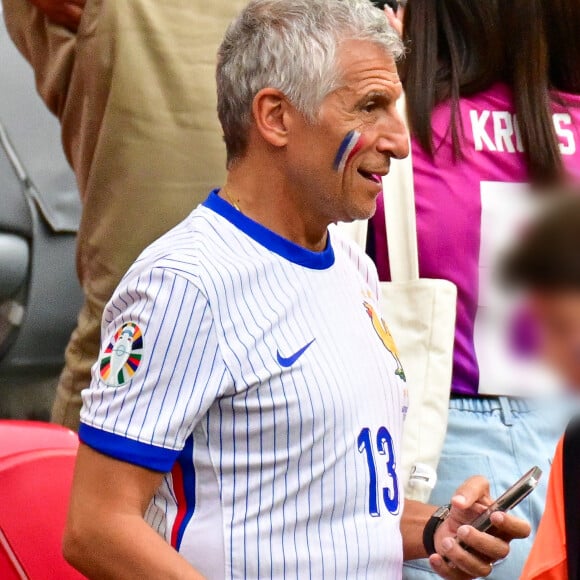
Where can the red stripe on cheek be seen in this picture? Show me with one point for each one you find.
(359, 145)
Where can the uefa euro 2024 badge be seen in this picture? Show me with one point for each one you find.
(122, 357)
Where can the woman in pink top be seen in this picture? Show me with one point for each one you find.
(493, 97)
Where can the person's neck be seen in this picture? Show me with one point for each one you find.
(266, 197)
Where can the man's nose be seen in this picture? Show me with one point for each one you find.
(394, 140)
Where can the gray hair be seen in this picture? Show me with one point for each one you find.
(290, 45)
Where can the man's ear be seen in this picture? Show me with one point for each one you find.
(271, 116)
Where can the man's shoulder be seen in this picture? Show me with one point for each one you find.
(187, 248)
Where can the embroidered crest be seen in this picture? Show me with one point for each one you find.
(386, 337)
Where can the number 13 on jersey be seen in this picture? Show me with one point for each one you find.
(384, 447)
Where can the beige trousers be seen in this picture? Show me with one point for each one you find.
(134, 90)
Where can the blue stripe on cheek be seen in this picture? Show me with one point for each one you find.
(342, 149)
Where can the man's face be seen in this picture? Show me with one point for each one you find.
(558, 314)
(338, 161)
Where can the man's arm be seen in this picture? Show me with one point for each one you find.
(451, 560)
(415, 517)
(106, 536)
(50, 49)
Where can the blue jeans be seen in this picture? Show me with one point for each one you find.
(499, 438)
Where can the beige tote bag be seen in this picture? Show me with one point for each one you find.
(421, 315)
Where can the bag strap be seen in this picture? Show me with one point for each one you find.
(571, 476)
(400, 219)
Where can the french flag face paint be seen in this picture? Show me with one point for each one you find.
(350, 145)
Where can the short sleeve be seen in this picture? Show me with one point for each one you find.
(158, 372)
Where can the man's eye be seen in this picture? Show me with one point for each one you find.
(369, 107)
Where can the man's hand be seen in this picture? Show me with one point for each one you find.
(454, 562)
(65, 13)
(396, 18)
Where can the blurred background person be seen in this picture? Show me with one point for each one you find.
(546, 265)
(132, 83)
(493, 104)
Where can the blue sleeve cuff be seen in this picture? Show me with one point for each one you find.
(128, 450)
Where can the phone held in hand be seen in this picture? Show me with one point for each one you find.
(509, 499)
(382, 3)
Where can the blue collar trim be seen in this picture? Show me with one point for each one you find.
(270, 240)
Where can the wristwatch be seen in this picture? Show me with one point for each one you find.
(431, 527)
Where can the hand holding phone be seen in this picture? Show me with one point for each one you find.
(482, 547)
(509, 499)
(382, 3)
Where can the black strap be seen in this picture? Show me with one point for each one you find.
(571, 476)
(431, 527)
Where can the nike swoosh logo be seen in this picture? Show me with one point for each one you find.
(288, 362)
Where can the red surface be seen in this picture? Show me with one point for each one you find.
(20, 436)
(7, 570)
(36, 468)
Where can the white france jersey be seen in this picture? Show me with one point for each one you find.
(260, 378)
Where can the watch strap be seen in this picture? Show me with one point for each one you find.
(431, 527)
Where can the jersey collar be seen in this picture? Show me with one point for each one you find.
(269, 239)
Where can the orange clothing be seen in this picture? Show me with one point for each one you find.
(547, 560)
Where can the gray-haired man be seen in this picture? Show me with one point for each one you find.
(245, 417)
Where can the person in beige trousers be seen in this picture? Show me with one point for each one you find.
(132, 82)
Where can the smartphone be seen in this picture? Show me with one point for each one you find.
(509, 499)
(382, 3)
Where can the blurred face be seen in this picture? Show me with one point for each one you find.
(339, 161)
(558, 314)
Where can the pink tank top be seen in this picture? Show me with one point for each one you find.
(464, 206)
